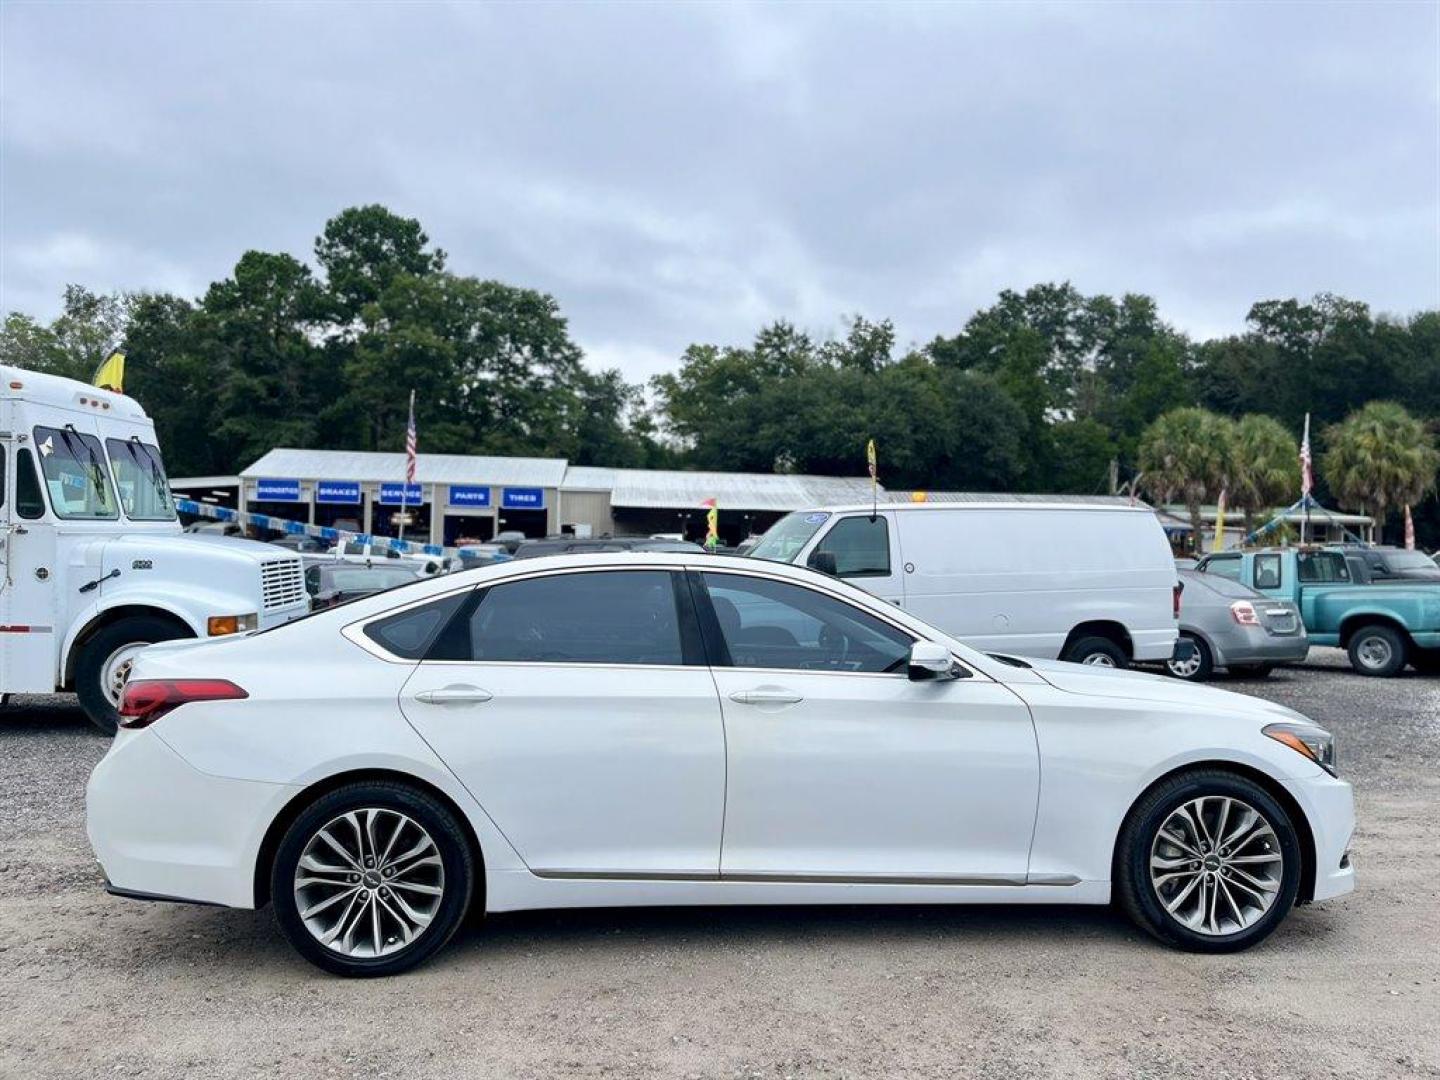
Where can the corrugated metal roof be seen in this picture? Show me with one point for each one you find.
(1014, 497)
(665, 489)
(287, 464)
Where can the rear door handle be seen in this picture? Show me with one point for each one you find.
(766, 697)
(454, 695)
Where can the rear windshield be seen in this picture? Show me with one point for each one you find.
(788, 535)
(1222, 585)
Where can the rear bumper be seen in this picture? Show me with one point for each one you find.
(141, 816)
(1255, 645)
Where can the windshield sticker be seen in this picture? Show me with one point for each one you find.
(815, 519)
(48, 446)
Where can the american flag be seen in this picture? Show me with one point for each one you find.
(1307, 468)
(411, 443)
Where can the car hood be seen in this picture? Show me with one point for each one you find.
(1142, 686)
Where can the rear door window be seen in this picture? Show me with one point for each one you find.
(408, 634)
(595, 617)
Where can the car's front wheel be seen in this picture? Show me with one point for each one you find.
(372, 879)
(1208, 861)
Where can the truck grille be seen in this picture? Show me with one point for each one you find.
(282, 583)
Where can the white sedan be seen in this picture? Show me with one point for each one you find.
(651, 729)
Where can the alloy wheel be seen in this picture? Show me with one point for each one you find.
(1185, 669)
(1216, 865)
(369, 883)
(1099, 659)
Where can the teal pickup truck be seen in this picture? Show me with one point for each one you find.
(1382, 627)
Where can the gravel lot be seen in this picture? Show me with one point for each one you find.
(97, 986)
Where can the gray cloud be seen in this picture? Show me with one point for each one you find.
(682, 173)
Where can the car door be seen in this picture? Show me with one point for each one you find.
(30, 602)
(863, 550)
(840, 767)
(577, 708)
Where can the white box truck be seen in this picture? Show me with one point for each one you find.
(1092, 583)
(95, 566)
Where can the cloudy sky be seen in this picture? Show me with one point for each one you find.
(685, 173)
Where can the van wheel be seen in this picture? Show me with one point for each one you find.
(1377, 650)
(1097, 651)
(104, 664)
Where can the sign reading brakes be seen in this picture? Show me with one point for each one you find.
(337, 491)
(523, 498)
(277, 490)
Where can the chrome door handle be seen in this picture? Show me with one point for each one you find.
(454, 695)
(766, 697)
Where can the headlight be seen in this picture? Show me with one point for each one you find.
(220, 625)
(1314, 742)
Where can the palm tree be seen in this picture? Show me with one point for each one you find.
(1267, 466)
(1187, 453)
(1379, 457)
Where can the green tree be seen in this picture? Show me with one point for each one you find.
(1380, 457)
(89, 327)
(1266, 466)
(1187, 454)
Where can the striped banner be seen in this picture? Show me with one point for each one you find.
(302, 528)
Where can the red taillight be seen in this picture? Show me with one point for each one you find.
(1243, 612)
(1175, 591)
(146, 700)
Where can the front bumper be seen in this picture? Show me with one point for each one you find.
(1329, 807)
(164, 830)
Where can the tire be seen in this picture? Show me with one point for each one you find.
(1252, 671)
(1425, 661)
(1200, 668)
(1378, 650)
(418, 818)
(1194, 927)
(94, 670)
(1097, 651)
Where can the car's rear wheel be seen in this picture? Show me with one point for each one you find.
(104, 662)
(1198, 667)
(1208, 861)
(372, 879)
(1097, 651)
(1377, 650)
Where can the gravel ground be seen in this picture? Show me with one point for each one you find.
(96, 986)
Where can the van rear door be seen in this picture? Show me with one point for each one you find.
(865, 551)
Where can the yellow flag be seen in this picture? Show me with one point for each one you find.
(1219, 542)
(111, 374)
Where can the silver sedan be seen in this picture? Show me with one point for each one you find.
(1236, 628)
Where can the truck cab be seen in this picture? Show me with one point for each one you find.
(1381, 627)
(93, 563)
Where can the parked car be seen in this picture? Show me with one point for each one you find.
(572, 545)
(510, 538)
(355, 551)
(1370, 565)
(1382, 627)
(332, 583)
(740, 733)
(1236, 628)
(304, 545)
(94, 564)
(1094, 584)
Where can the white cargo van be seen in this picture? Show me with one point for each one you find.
(1092, 583)
(94, 564)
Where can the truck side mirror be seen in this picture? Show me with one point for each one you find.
(824, 561)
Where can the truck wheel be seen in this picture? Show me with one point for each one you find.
(1377, 650)
(1097, 652)
(104, 664)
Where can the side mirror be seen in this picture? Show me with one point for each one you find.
(929, 660)
(824, 561)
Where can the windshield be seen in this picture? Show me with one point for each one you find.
(788, 535)
(75, 474)
(140, 477)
